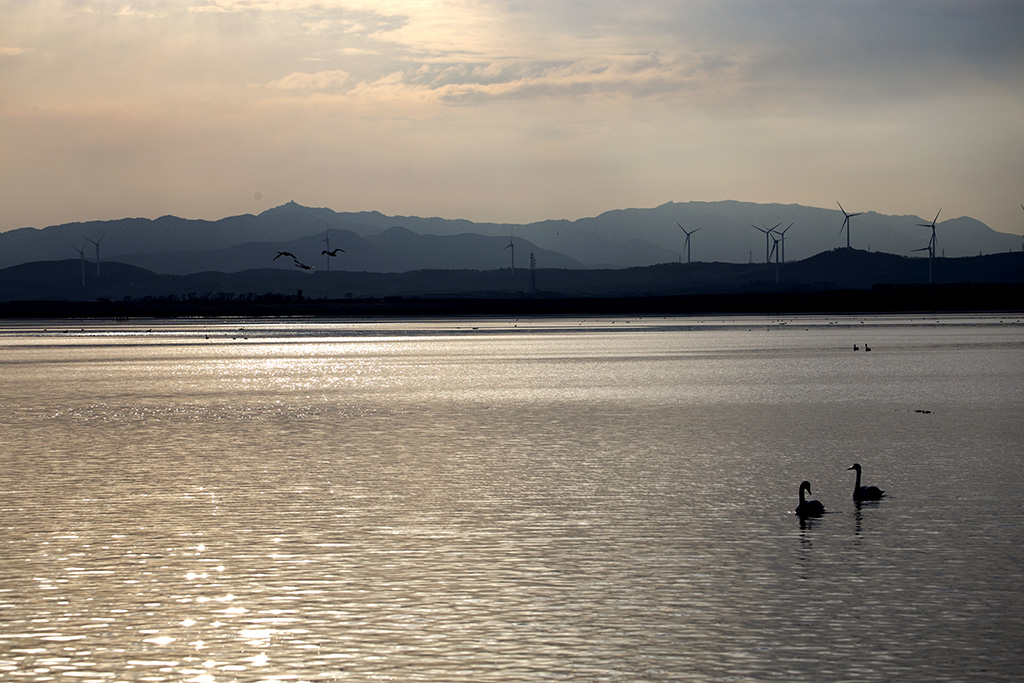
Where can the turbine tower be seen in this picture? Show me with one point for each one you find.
(846, 223)
(81, 252)
(932, 244)
(775, 250)
(327, 248)
(97, 243)
(767, 236)
(511, 245)
(687, 245)
(783, 234)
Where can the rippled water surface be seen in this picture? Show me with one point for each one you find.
(511, 500)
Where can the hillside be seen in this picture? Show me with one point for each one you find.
(839, 269)
(373, 242)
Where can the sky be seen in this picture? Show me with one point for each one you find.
(509, 110)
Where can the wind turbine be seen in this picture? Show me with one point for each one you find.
(846, 223)
(97, 243)
(775, 250)
(511, 245)
(767, 234)
(783, 234)
(932, 244)
(688, 233)
(81, 252)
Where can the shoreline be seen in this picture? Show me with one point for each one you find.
(989, 298)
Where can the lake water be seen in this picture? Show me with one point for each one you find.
(511, 500)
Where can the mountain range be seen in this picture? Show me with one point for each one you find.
(375, 243)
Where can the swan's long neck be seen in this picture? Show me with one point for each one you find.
(802, 489)
(856, 486)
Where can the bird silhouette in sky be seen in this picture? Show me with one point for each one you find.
(296, 261)
(333, 252)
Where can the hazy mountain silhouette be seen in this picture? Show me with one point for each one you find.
(377, 243)
(839, 269)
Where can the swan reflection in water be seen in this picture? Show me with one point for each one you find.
(861, 493)
(808, 508)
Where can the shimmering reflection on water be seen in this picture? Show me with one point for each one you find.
(430, 502)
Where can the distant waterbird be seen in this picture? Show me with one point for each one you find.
(283, 253)
(864, 492)
(328, 252)
(808, 508)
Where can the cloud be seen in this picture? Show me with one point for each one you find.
(636, 97)
(321, 80)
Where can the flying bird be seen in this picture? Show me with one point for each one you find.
(296, 261)
(333, 252)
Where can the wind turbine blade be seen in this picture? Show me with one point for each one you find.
(936, 217)
(841, 207)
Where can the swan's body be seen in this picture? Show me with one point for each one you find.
(864, 492)
(808, 508)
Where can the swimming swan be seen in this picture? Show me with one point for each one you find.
(808, 508)
(864, 492)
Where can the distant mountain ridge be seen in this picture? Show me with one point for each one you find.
(374, 242)
(838, 269)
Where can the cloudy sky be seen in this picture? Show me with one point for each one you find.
(508, 110)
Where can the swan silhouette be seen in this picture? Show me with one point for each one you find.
(808, 508)
(295, 260)
(332, 252)
(864, 492)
